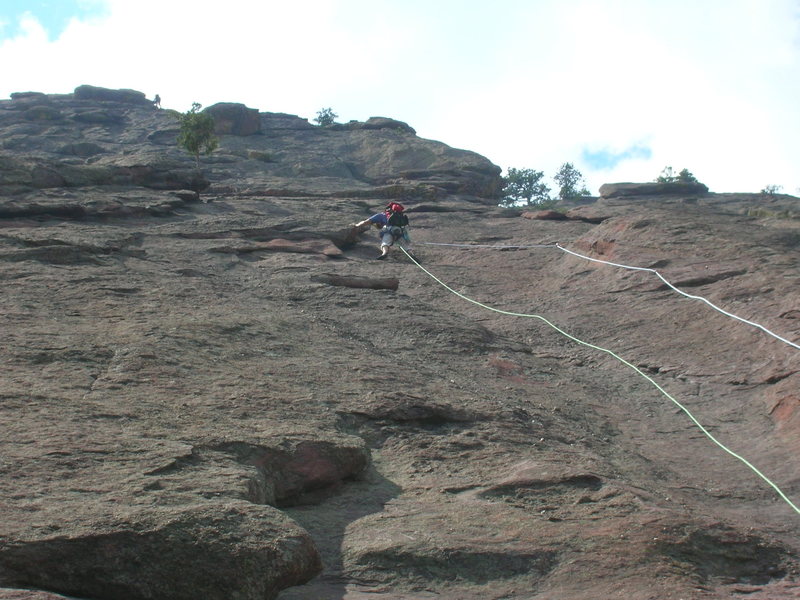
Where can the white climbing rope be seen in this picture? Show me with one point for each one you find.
(623, 361)
(682, 293)
(632, 268)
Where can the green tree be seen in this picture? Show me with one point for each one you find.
(525, 186)
(570, 182)
(325, 117)
(771, 190)
(668, 175)
(197, 132)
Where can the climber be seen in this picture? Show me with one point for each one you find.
(157, 101)
(392, 223)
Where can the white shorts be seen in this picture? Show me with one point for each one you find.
(390, 234)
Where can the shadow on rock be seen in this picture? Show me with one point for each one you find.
(327, 524)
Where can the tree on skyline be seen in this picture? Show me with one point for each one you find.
(668, 175)
(325, 117)
(571, 182)
(525, 185)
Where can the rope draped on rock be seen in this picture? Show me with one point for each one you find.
(624, 362)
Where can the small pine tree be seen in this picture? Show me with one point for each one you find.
(325, 117)
(668, 175)
(571, 183)
(771, 190)
(197, 132)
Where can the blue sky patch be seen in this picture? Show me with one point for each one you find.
(53, 15)
(604, 159)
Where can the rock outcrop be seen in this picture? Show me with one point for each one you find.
(652, 188)
(99, 137)
(98, 94)
(210, 388)
(231, 118)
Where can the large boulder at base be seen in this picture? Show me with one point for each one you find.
(90, 92)
(232, 118)
(673, 188)
(216, 550)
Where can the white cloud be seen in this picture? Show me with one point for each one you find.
(710, 86)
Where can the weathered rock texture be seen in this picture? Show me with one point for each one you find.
(652, 188)
(214, 395)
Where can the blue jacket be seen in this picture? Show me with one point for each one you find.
(379, 218)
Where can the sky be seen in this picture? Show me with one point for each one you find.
(619, 88)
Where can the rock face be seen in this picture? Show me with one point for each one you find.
(99, 137)
(219, 393)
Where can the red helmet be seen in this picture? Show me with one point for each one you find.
(395, 207)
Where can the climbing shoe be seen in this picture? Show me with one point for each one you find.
(381, 257)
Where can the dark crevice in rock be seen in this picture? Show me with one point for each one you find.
(294, 473)
(66, 211)
(779, 377)
(718, 553)
(343, 239)
(455, 565)
(411, 411)
(525, 488)
(702, 280)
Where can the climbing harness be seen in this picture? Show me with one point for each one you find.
(623, 361)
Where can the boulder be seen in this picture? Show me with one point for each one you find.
(386, 123)
(378, 123)
(545, 215)
(216, 547)
(673, 188)
(89, 92)
(231, 118)
(29, 96)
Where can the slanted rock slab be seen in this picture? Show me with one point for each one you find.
(355, 281)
